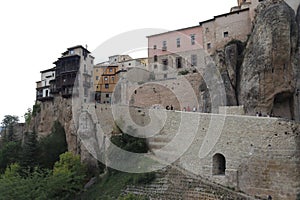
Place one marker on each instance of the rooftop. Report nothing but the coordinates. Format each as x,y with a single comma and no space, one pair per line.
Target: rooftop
223,15
182,29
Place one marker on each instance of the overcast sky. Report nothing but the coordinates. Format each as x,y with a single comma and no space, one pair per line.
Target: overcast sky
35,33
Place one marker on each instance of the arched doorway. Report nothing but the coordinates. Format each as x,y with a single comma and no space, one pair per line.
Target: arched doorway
219,164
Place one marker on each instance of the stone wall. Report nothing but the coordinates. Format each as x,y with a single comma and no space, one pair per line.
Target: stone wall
261,154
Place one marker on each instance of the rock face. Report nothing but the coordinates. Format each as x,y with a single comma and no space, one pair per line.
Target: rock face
269,70
60,109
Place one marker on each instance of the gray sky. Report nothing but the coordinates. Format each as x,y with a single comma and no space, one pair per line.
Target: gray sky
35,33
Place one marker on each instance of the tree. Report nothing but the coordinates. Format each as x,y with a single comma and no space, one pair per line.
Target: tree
8,124
29,155
28,116
52,146
9,154
68,176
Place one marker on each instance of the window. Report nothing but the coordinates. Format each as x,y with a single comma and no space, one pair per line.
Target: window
193,60
206,30
208,45
165,76
97,78
219,164
165,64
85,92
179,62
155,58
110,69
225,34
178,42
106,86
129,64
113,79
72,52
84,68
193,39
164,46
154,47
105,78
155,66
107,95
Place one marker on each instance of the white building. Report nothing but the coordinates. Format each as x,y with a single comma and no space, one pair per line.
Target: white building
43,86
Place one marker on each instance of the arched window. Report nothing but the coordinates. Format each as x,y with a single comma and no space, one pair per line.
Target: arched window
219,164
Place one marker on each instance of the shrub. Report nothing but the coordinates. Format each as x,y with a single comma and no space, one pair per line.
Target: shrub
184,72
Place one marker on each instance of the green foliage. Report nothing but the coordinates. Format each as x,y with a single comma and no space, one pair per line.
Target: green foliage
111,186
52,146
9,120
8,124
28,116
133,197
29,155
9,154
69,170
69,163
183,72
130,143
65,183
36,109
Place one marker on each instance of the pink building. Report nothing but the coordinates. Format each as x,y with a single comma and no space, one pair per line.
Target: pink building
173,50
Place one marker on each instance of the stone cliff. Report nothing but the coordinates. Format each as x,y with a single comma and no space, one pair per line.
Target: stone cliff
262,73
269,69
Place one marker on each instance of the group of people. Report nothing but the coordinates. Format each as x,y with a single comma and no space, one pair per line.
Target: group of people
188,109
259,114
169,107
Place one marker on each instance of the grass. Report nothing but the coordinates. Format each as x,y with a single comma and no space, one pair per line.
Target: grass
111,186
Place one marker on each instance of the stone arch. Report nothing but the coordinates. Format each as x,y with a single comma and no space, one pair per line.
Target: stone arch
219,164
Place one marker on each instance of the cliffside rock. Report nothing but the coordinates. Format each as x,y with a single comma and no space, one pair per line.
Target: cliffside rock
60,109
267,81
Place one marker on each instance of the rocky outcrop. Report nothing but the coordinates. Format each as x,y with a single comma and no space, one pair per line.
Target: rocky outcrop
268,73
60,109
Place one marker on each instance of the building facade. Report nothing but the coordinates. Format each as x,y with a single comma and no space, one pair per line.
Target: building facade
43,92
170,51
105,78
220,30
132,63
74,68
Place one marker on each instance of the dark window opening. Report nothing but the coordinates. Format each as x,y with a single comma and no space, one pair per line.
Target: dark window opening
226,34
179,62
219,164
208,45
155,58
165,64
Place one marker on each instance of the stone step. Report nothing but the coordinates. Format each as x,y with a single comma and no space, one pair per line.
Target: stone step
161,138
157,145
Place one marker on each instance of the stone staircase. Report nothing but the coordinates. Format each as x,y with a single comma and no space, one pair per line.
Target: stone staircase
173,183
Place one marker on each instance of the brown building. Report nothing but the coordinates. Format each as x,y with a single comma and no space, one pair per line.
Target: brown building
105,80
68,73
